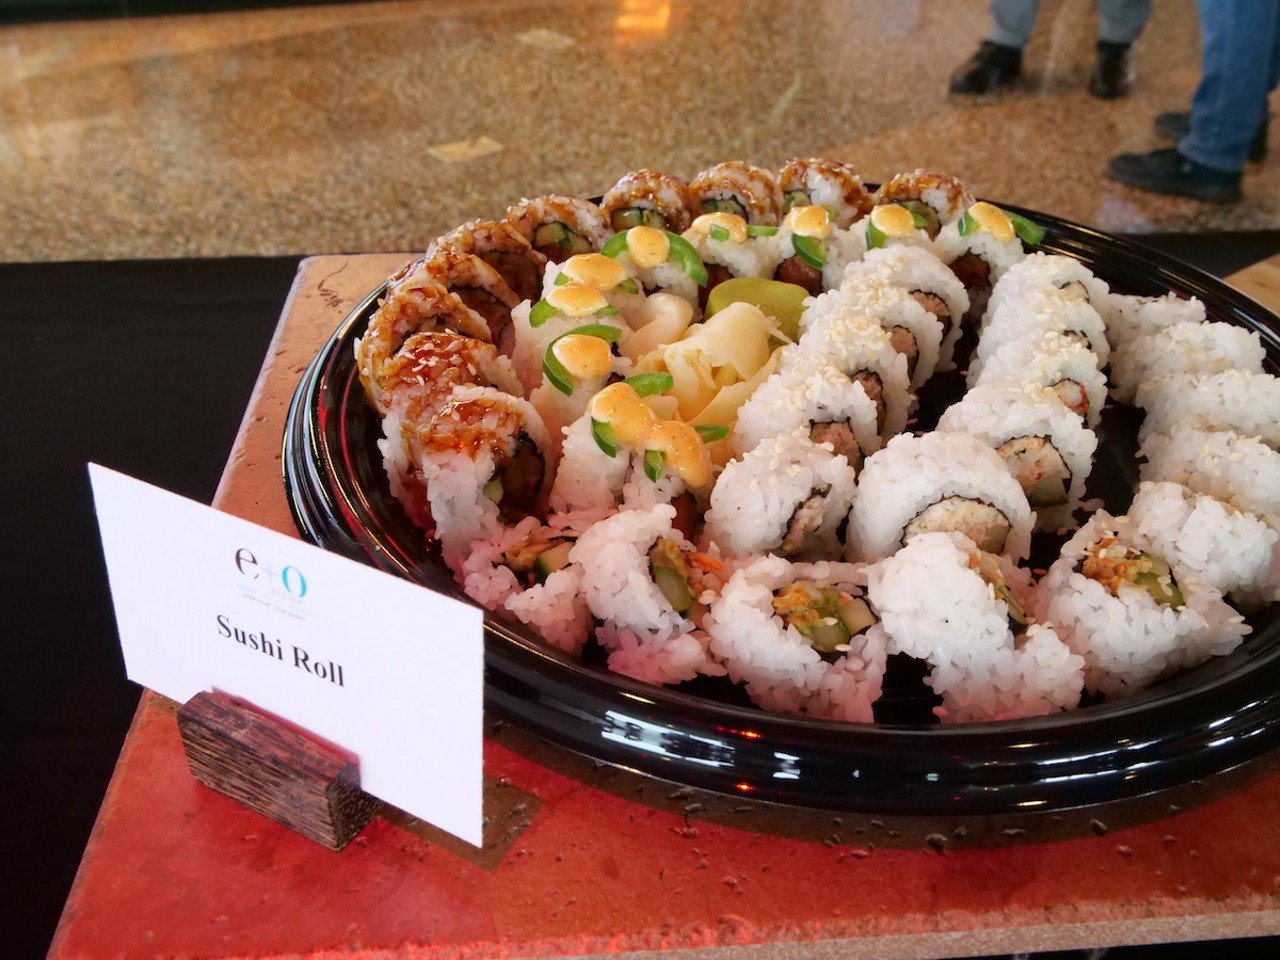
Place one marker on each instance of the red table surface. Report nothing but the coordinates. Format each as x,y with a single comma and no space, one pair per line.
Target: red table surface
582,859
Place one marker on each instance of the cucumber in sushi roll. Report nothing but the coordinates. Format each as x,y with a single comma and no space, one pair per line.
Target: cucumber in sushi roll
647,198
559,226
827,183
738,188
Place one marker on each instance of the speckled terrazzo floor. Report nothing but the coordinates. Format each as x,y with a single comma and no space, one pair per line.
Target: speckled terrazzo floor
313,129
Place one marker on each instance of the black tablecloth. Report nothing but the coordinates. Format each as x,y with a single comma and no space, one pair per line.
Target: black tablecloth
146,367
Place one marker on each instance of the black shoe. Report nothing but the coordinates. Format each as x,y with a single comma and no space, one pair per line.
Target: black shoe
992,67
1168,171
1114,74
1174,126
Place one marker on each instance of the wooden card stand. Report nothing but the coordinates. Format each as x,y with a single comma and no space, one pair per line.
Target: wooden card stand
272,768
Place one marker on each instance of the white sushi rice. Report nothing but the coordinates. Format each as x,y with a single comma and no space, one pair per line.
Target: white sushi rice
1048,272
1001,412
959,625
1239,470
1050,360
1128,317
756,497
588,478
1130,641
1035,313
949,246
781,670
1236,400
1236,553
911,473
1184,348
754,257
645,637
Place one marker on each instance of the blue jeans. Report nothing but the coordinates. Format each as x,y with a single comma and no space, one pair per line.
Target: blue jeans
1120,21
1240,67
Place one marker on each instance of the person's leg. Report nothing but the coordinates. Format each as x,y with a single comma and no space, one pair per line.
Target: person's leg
1239,70
1119,24
1012,22
998,61
1121,21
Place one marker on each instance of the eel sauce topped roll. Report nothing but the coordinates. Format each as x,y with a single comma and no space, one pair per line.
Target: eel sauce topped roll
926,279
827,183
1184,348
1055,360
415,304
1233,551
525,571
938,482
559,226
1131,317
500,245
787,496
963,611
735,187
650,589
816,398
1236,400
1036,313
1133,616
936,197
650,199
796,634
979,248
480,287
1046,447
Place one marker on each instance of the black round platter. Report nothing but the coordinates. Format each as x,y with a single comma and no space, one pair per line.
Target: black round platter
1201,722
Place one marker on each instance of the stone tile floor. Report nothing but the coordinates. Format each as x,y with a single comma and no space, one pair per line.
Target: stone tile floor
375,126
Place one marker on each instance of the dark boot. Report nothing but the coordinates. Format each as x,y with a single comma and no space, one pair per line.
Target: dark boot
992,67
1114,74
1168,171
1176,125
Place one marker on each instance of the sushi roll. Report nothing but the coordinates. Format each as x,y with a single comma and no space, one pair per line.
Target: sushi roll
647,198
1129,317
796,635
486,462
963,611
1184,348
950,482
935,197
1239,470
1038,272
560,226
1046,447
788,496
827,183
979,248
864,352
730,247
649,588
817,398
414,305
926,279
891,225
1033,314
1134,617
659,260
525,571
1234,552
1236,400
1054,360
812,253
500,245
735,187
479,286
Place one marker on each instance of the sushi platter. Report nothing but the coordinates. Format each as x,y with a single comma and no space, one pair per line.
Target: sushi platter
952,521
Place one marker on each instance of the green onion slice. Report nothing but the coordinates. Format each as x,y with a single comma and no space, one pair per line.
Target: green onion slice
967,224
615,245
711,432
606,311
719,233
654,461
917,219
604,437
601,330
628,286
682,253
562,278
875,236
647,384
555,371
809,249
761,231
1028,231
542,312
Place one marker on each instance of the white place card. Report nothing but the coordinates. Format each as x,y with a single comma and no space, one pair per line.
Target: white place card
386,670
